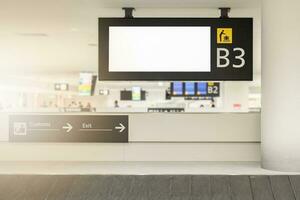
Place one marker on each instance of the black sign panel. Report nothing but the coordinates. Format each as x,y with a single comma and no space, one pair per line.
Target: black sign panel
231,49
68,128
199,89
213,89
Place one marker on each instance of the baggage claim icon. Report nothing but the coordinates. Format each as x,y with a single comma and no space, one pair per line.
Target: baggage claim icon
224,35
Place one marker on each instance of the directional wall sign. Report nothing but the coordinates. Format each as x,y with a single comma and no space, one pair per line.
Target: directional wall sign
68,128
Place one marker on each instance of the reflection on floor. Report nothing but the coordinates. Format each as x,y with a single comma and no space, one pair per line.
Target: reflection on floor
148,187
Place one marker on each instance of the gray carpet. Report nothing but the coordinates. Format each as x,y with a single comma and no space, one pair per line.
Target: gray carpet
149,187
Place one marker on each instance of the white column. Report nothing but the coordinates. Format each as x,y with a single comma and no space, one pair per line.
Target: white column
281,85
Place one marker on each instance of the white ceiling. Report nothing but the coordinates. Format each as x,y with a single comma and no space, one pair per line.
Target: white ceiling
65,31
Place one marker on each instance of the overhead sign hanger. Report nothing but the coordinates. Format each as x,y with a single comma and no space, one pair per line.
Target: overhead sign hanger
224,12
128,12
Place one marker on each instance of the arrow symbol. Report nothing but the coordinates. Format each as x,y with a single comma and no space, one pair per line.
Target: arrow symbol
121,128
68,127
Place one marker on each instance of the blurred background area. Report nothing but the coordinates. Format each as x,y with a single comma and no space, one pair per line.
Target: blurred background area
49,58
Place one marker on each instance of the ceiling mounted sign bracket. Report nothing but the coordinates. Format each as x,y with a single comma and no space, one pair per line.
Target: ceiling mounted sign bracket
224,12
128,12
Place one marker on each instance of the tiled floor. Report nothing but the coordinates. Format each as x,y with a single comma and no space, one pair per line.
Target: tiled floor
145,181
148,187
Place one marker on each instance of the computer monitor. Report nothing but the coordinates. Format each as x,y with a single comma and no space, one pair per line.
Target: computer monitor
125,95
177,88
189,88
202,88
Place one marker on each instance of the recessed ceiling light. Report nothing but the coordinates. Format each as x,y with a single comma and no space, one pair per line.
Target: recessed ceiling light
33,34
74,29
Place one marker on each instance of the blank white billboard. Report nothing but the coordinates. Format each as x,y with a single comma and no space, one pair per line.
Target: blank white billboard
159,49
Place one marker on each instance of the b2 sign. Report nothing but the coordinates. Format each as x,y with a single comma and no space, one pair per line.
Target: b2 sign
175,49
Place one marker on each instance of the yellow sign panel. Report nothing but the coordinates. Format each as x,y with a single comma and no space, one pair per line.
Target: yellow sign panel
224,35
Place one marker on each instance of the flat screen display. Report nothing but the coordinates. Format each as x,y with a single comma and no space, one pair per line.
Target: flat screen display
159,49
189,88
126,95
202,88
177,88
85,84
136,93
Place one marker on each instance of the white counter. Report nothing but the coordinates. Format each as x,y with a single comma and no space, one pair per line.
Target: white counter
154,137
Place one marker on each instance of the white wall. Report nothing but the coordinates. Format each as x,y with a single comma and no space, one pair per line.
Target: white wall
231,93
280,81
43,84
